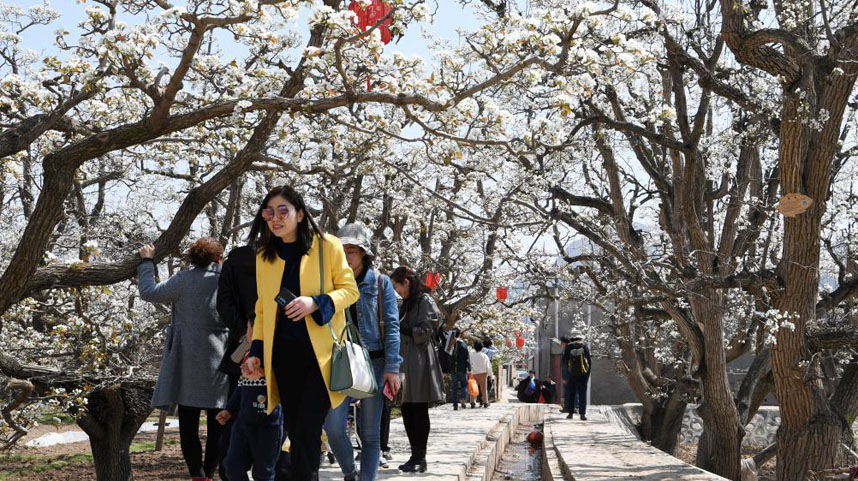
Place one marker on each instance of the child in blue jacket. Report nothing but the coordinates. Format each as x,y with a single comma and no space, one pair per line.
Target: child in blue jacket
256,436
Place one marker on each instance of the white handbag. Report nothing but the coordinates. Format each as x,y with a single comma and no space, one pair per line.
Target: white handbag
351,368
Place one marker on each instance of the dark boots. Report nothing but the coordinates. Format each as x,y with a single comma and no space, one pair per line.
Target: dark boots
417,463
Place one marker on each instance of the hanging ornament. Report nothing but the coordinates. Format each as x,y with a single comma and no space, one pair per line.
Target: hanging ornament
501,294
368,15
519,342
433,279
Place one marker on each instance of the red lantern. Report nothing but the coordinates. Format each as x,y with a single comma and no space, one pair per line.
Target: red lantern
519,342
501,294
368,16
508,342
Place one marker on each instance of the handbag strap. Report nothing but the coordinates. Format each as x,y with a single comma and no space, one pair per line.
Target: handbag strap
380,310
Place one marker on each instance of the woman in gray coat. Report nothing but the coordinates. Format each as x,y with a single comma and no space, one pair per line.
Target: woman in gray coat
193,350
419,320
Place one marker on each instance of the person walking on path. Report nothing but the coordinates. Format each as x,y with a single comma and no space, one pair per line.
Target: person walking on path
193,350
256,435
460,373
576,357
481,367
292,343
489,349
236,300
424,383
376,314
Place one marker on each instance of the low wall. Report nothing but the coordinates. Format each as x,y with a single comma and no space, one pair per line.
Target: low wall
761,431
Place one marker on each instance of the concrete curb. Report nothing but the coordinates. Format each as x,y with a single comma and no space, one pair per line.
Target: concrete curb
553,467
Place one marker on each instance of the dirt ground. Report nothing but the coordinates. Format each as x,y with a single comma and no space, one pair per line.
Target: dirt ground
766,472
71,462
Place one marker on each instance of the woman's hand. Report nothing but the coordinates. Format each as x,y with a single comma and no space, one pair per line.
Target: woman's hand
147,251
392,379
252,368
300,307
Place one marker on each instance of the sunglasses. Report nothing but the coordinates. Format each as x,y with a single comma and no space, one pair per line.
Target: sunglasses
281,211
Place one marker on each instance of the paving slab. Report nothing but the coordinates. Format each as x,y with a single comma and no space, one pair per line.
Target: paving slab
454,439
598,449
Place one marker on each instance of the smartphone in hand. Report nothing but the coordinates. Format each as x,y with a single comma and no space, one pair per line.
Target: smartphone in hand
388,393
284,297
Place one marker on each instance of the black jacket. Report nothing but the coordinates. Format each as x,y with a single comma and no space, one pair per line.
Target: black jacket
463,359
522,390
236,298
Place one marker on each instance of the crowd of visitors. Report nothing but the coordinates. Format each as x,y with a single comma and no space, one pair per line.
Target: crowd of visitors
255,337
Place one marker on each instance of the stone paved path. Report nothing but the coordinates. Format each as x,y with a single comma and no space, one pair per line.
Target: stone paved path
593,450
596,450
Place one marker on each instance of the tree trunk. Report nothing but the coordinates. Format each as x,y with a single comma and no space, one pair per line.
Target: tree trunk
666,421
811,431
719,450
112,458
114,414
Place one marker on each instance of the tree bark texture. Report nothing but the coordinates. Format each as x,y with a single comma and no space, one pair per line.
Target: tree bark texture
114,415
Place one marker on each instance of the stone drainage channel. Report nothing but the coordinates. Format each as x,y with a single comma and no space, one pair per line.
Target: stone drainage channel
518,448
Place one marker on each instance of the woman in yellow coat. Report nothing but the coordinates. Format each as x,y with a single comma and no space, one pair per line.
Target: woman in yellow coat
292,340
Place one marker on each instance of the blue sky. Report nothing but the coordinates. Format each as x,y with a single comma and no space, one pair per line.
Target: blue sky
449,16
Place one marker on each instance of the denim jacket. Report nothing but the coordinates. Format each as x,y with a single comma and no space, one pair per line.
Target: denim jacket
367,311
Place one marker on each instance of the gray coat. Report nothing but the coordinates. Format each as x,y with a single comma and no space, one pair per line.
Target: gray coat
423,379
196,339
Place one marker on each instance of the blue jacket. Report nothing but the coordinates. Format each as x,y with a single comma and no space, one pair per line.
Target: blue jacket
250,404
367,321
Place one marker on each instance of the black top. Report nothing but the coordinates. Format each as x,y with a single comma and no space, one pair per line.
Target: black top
236,298
287,329
353,308
463,358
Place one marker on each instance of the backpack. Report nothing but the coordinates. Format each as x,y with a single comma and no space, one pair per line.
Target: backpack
577,364
446,361
446,347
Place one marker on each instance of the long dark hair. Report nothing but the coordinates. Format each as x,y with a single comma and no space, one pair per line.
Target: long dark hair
416,286
307,228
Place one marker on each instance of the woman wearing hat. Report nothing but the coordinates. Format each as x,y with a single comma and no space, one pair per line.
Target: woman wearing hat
376,315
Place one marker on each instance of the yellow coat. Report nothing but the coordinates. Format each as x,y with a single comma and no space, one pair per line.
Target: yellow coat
339,285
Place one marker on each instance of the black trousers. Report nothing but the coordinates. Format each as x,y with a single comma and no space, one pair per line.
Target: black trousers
415,417
189,438
256,446
385,426
226,434
578,388
305,402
